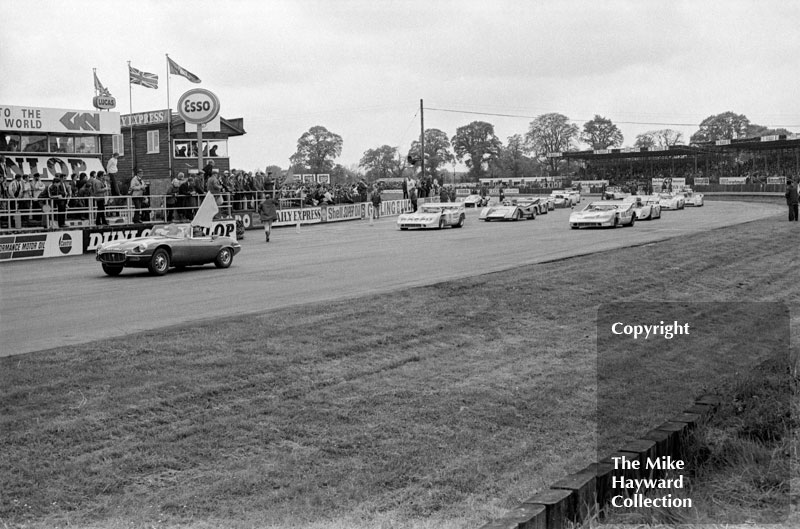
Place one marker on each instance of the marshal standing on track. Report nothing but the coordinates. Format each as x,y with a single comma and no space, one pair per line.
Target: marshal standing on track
791,199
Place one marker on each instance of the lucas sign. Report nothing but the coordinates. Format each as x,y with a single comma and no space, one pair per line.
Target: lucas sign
198,106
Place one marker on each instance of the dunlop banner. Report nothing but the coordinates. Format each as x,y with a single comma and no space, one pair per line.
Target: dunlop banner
93,238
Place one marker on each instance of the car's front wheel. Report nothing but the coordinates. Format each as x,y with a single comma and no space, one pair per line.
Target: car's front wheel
112,270
224,258
460,221
442,223
159,263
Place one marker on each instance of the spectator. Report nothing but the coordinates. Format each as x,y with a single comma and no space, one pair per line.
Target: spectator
207,170
98,190
188,194
57,192
137,189
14,192
25,195
172,197
37,188
111,169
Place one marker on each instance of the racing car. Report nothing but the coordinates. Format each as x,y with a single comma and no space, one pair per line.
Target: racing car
691,198
608,213
166,246
511,209
644,207
475,201
562,199
435,215
671,201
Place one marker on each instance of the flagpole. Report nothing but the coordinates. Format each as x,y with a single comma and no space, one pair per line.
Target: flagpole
130,103
169,122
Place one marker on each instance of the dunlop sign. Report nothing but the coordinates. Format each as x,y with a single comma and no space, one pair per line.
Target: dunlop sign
198,106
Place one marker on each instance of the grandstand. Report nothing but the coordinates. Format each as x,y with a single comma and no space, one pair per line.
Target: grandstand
760,160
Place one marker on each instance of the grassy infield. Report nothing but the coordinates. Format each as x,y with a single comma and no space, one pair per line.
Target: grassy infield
369,413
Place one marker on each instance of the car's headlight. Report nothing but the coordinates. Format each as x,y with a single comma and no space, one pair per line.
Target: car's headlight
139,248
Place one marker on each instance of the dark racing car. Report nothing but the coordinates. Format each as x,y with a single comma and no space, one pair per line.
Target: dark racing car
168,245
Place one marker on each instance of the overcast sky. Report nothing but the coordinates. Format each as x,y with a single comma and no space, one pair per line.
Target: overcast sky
360,68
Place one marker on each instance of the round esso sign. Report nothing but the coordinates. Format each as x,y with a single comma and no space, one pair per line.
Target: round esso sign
198,106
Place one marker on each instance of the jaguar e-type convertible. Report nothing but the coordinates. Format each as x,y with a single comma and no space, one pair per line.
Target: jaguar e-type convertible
168,245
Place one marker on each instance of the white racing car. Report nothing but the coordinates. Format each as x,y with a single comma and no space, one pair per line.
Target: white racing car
511,209
475,201
671,201
604,214
562,199
435,215
691,198
643,207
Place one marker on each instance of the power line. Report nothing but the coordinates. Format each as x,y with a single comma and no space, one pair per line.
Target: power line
584,120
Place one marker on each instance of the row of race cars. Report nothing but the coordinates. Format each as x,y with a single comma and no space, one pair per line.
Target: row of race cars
181,245
621,210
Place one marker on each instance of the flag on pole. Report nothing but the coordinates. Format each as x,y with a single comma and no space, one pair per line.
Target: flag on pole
102,90
148,80
176,69
206,211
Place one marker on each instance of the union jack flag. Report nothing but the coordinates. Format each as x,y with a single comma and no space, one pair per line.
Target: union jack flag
148,80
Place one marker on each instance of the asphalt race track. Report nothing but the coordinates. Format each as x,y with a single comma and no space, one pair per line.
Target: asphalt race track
54,302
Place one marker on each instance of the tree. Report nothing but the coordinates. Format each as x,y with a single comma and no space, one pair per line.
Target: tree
601,133
725,126
479,144
659,138
382,162
756,131
437,151
513,162
316,150
344,175
550,133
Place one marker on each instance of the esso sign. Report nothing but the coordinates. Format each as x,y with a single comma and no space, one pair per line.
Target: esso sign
198,106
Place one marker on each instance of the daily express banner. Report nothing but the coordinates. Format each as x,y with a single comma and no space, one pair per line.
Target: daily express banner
58,120
316,215
732,180
49,166
38,245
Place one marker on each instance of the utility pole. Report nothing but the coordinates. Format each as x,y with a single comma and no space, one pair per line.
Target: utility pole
422,138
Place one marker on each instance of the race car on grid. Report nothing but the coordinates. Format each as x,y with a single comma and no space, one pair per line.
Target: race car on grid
643,207
168,245
671,201
691,198
604,214
435,215
511,209
475,201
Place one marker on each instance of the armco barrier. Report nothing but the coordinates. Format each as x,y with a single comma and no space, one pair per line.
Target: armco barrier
586,494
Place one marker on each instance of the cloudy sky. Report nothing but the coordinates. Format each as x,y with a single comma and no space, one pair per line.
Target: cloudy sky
361,67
